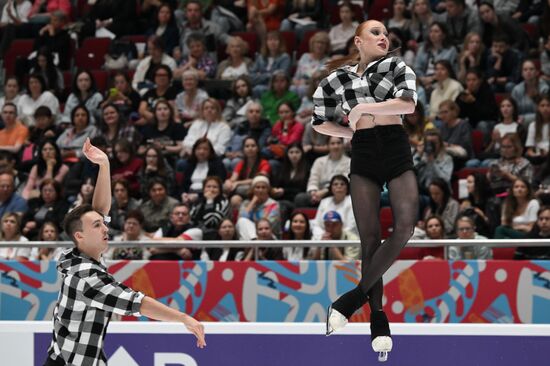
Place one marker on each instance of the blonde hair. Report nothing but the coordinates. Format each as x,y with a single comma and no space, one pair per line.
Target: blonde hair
216,105
238,41
18,221
320,37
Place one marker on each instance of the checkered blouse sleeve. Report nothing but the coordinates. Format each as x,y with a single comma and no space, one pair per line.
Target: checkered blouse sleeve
405,82
326,98
103,292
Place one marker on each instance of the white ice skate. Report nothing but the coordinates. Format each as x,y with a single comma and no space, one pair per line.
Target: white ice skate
380,335
335,321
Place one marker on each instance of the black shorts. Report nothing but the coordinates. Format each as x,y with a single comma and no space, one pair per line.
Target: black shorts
381,153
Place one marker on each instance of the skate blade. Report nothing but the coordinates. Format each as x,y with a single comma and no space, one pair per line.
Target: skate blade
383,345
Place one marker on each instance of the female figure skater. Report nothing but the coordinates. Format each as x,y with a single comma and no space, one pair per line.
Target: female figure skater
374,90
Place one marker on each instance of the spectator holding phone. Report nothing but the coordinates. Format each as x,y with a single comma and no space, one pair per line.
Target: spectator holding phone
432,160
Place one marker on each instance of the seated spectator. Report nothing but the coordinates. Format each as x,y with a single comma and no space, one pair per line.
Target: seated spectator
48,232
238,185
117,17
193,21
286,131
11,92
508,123
298,230
211,125
545,61
399,19
493,23
146,71
161,90
50,205
510,166
37,95
44,66
114,127
264,16
322,171
8,164
445,87
421,15
236,64
202,163
442,204
259,206
310,62
9,200
314,144
538,135
272,57
133,231
416,124
334,230
165,27
340,34
519,211
481,204
84,92
431,160
42,11
164,133
14,134
278,92
472,57
122,95
529,91
541,230
235,108
53,36
254,126
178,228
49,165
292,178
189,101
455,132
437,47
226,232
72,139
477,103
399,47
209,210
44,127
433,228
304,113
197,60
126,165
122,204
338,200
503,65
527,11
14,14
460,19
158,205
264,232
466,230
85,193
10,230
302,16
156,165
82,169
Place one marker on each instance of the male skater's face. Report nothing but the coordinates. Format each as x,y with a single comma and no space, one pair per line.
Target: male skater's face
94,233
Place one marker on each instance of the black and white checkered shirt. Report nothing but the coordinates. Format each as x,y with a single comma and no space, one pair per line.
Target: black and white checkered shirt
88,297
383,79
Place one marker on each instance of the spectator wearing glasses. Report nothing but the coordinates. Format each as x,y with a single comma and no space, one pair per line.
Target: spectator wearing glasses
145,76
466,230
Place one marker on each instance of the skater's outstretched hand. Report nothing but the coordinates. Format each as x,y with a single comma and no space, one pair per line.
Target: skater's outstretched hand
94,154
196,328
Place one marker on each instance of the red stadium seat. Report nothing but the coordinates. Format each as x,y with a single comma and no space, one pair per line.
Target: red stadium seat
380,10
477,141
504,253
309,212
499,97
91,56
249,37
101,78
135,38
18,48
290,41
304,44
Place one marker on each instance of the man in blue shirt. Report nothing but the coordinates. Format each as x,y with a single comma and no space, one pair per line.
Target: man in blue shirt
9,200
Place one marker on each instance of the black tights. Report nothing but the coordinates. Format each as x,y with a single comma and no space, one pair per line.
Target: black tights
376,258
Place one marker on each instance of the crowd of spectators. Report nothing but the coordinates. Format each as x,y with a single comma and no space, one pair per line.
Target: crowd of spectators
207,125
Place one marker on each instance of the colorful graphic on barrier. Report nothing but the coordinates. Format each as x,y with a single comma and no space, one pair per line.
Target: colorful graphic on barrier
415,291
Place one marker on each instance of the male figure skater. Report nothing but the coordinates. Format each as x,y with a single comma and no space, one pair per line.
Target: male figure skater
89,294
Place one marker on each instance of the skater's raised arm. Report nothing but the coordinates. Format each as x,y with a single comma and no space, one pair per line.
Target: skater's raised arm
101,201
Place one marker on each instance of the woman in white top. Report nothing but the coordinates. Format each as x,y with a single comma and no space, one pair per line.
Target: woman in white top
11,92
338,200
210,125
10,230
445,88
538,140
36,96
519,212
314,60
341,33
236,63
188,102
84,91
398,20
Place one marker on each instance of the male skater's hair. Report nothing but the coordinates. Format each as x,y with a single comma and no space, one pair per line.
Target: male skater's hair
73,220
